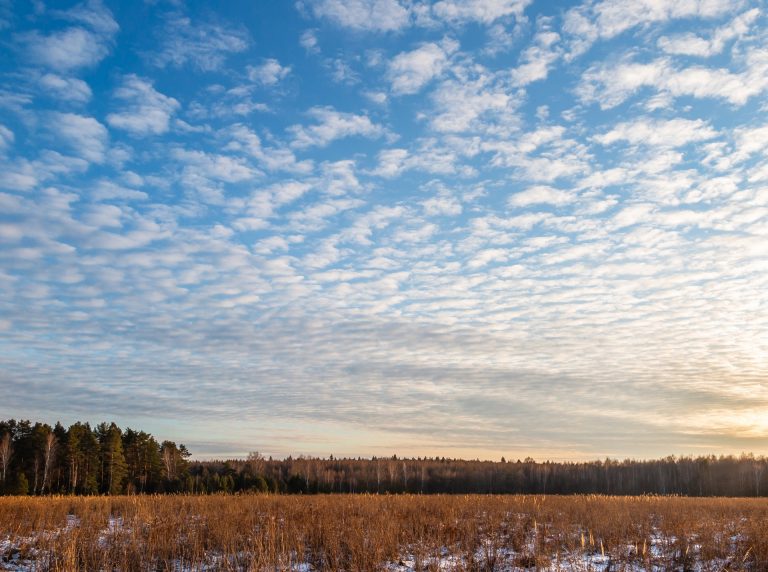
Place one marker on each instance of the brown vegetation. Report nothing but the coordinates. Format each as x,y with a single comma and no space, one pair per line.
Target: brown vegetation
369,532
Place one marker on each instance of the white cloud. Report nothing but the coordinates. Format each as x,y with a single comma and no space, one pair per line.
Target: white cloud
341,72
288,191
204,45
442,204
663,133
539,57
379,217
213,166
750,140
339,178
391,162
602,179
408,72
309,42
463,105
688,45
616,16
543,155
610,85
6,138
420,233
66,50
264,203
377,97
74,47
66,88
318,216
268,73
270,158
485,257
500,38
83,135
146,111
92,13
331,125
609,18
428,156
106,190
374,15
631,215
395,15
484,11
541,194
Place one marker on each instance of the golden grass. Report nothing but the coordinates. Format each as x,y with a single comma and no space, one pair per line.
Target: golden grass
364,532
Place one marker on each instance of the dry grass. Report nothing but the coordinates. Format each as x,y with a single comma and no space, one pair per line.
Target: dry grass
382,532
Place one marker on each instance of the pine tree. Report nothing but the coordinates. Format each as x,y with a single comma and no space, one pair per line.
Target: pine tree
114,467
142,455
82,459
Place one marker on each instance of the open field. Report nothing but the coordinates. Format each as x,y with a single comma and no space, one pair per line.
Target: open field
394,533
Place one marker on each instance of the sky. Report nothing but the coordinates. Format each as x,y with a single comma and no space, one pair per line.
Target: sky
363,227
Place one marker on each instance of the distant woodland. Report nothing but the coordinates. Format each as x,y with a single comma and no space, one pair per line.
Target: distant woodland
38,459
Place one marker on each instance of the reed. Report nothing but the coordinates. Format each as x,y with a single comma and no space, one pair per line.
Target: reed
371,532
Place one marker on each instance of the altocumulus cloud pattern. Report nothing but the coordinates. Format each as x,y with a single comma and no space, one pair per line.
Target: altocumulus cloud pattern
473,228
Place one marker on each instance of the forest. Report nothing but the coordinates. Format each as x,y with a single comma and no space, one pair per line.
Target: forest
38,459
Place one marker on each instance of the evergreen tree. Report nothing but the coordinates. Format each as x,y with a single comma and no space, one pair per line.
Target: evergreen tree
44,448
21,486
114,469
175,464
58,476
144,465
23,460
82,459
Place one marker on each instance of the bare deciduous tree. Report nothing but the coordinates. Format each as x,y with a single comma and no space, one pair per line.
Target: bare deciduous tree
6,450
49,449
170,462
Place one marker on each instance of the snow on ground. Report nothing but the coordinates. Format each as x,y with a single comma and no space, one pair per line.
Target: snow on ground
22,554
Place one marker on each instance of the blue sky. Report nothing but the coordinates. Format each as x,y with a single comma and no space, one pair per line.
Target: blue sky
365,227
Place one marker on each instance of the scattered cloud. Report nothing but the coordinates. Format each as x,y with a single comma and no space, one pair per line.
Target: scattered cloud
538,59
659,133
541,194
268,73
308,41
205,46
690,44
484,11
395,15
609,18
458,208
66,88
612,84
408,72
463,105
73,47
372,15
83,135
331,125
6,138
145,110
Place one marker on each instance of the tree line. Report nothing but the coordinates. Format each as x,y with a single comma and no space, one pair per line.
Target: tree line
743,475
40,459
